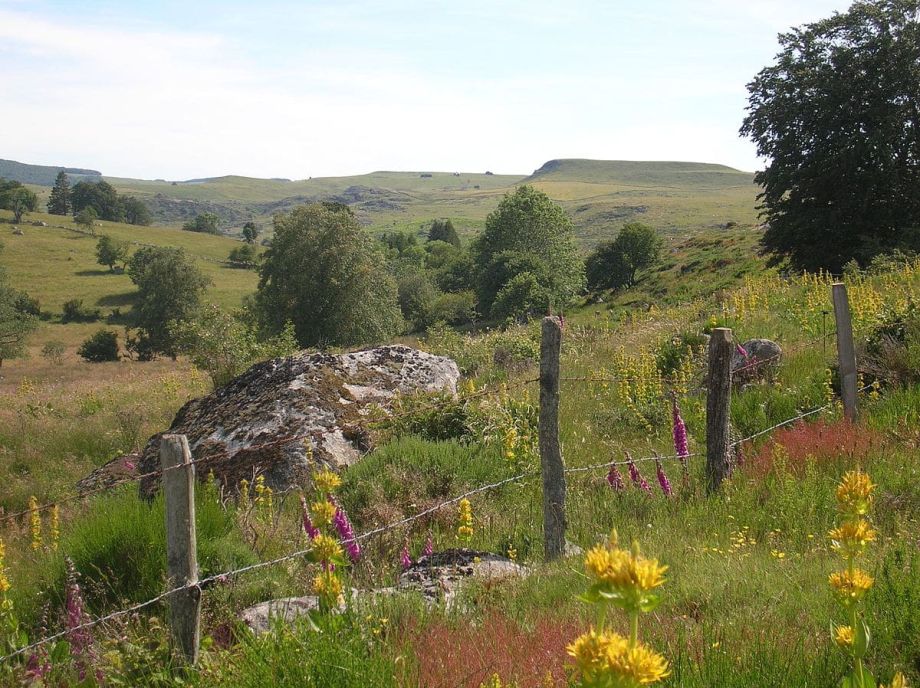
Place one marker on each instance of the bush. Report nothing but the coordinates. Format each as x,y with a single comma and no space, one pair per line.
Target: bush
673,352
245,256
521,297
101,347
75,311
54,352
454,309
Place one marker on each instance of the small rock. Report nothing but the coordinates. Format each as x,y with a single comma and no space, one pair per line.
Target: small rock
763,357
259,617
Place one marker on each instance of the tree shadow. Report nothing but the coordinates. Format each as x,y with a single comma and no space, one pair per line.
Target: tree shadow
117,300
94,273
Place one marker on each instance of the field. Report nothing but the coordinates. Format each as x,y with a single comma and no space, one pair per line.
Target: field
746,602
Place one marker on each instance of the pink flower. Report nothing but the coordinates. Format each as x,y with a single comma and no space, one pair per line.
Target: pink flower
308,527
429,546
80,639
680,434
636,476
741,350
405,559
663,480
615,479
346,532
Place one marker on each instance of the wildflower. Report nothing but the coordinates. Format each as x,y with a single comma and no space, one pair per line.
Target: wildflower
639,666
465,529
663,479
79,636
615,479
343,527
512,553
850,585
590,652
429,546
260,491
843,636
608,654
35,523
741,351
4,580
851,537
55,526
681,447
323,513
328,588
308,527
244,494
854,493
898,681
326,549
326,481
405,559
636,476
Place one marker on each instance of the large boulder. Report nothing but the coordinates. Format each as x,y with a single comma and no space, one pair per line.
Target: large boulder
284,416
763,357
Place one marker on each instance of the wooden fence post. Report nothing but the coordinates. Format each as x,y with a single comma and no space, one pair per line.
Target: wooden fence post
846,352
550,452
718,407
181,545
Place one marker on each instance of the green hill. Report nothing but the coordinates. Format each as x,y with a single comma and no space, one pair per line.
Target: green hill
41,175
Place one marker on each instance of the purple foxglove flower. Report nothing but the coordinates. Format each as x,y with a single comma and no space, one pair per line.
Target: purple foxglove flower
346,532
429,546
636,476
615,479
663,480
405,560
80,639
308,527
680,434
741,351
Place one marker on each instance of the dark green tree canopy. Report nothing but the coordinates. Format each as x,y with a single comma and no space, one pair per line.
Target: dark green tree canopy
443,230
528,227
59,200
838,118
101,197
250,232
136,211
16,320
169,287
616,264
209,223
327,276
112,252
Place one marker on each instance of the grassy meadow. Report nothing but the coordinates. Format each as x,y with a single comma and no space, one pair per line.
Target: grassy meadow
746,602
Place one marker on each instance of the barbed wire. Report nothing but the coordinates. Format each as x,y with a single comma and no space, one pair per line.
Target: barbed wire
221,577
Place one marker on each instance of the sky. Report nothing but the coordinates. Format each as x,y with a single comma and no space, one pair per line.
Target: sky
296,89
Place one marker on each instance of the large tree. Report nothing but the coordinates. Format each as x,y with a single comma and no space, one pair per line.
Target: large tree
59,200
838,118
22,201
101,197
135,211
528,233
616,264
169,286
325,274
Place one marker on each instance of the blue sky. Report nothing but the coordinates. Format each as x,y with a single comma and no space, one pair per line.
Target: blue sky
295,89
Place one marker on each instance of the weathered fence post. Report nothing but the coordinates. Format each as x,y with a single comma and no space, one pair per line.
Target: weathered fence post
181,545
846,352
550,452
718,407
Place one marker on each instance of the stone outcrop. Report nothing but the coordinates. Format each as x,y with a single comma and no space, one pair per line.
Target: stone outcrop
437,578
286,416
763,357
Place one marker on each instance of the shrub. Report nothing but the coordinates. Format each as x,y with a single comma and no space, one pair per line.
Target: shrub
454,309
101,347
245,256
75,311
54,352
673,352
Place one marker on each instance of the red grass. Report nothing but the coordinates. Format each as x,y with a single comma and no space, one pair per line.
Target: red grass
818,442
467,654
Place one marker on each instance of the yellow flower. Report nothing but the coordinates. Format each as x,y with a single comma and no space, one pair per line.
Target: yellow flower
850,587
326,548
4,581
35,523
323,512
897,682
55,526
851,537
638,665
591,651
327,585
843,636
854,493
326,481
623,570
465,529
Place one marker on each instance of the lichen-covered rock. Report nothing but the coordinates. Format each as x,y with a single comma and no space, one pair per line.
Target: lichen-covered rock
763,356
281,413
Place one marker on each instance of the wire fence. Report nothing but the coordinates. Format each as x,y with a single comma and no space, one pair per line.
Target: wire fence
388,527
